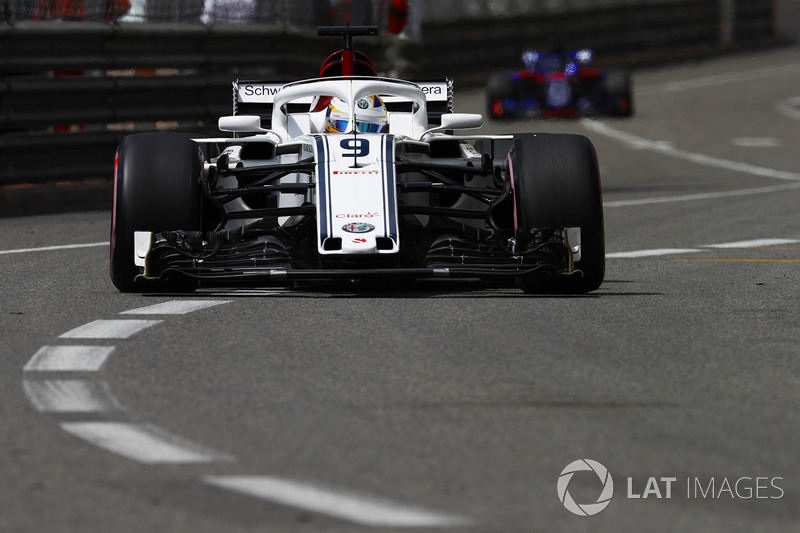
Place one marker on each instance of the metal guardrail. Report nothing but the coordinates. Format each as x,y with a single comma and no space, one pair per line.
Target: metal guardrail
297,14
55,125
453,10
70,91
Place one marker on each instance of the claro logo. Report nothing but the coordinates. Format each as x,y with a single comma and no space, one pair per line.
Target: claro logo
585,509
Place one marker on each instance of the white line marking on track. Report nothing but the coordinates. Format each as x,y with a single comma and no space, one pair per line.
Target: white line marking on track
756,142
52,248
718,79
755,243
666,148
109,329
70,396
650,253
69,359
701,196
362,509
175,307
144,443
790,108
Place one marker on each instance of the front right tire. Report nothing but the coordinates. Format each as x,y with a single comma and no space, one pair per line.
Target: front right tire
556,184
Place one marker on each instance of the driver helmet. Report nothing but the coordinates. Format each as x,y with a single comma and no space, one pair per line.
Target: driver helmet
530,58
370,112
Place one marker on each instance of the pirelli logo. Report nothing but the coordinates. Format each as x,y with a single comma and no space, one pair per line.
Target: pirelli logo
356,172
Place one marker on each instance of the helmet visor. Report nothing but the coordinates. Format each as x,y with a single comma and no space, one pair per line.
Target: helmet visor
369,127
338,125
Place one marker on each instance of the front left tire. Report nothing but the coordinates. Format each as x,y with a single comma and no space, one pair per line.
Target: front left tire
158,181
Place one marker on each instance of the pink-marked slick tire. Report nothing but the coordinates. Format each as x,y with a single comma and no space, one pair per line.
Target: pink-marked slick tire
157,186
557,184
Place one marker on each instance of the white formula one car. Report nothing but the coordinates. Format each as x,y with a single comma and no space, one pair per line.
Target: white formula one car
354,177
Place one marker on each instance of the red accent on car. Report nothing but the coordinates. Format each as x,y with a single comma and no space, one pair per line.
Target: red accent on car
590,72
561,113
347,63
497,107
322,103
513,190
398,15
528,75
114,207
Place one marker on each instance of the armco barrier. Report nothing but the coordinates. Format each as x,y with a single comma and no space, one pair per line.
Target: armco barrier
71,90
753,20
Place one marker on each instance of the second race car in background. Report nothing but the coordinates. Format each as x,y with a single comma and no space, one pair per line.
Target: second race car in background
559,84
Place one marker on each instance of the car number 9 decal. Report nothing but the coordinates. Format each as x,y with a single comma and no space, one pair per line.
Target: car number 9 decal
358,147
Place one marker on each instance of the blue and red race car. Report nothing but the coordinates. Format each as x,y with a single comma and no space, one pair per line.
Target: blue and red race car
559,84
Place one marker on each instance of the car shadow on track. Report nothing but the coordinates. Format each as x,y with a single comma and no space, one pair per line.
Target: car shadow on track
417,290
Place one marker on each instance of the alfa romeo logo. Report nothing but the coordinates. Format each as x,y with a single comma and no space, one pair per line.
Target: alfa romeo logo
585,509
358,227
362,104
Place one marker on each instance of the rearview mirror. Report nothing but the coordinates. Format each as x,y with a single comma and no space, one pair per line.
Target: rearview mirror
461,121
457,121
241,124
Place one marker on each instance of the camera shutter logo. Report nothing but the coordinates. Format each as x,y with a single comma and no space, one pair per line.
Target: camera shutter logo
585,509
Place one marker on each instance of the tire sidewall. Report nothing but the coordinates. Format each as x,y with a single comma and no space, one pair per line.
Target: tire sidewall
157,186
556,183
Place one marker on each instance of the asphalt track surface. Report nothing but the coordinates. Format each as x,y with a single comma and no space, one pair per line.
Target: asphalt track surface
453,407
